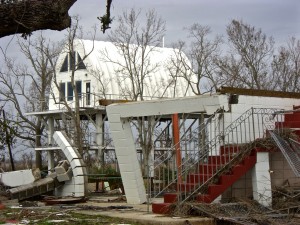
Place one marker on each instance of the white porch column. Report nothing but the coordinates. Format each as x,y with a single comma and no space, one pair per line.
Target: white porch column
100,137
50,154
261,180
127,158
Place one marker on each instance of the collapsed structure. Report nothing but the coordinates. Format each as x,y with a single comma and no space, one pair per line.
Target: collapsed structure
208,147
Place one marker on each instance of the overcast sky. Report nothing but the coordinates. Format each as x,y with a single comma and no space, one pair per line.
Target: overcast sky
279,18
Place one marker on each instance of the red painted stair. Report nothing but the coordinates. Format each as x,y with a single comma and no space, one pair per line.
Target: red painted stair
205,170
224,181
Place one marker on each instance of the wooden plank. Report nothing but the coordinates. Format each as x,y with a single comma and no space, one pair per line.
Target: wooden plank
255,92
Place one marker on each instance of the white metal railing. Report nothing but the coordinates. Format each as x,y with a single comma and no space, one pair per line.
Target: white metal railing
90,99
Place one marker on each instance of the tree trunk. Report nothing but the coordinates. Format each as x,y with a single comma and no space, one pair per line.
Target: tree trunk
30,15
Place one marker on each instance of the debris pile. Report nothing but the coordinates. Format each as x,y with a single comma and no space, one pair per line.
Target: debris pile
243,212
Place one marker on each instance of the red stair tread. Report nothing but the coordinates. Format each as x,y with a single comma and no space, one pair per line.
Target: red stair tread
208,168
161,208
217,159
229,149
186,187
198,178
170,197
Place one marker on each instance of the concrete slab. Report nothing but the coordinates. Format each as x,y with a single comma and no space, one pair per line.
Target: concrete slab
139,213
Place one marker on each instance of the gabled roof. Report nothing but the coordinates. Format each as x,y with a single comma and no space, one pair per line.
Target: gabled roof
107,58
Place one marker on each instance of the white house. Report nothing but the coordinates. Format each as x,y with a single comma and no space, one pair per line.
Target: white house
103,74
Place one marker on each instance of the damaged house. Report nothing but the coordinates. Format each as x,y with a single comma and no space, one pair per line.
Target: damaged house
236,143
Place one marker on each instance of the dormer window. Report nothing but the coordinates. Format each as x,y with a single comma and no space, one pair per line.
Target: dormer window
72,61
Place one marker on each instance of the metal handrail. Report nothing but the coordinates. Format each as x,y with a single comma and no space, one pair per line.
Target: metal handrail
245,129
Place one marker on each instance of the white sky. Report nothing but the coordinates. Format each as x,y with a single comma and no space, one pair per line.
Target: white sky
279,18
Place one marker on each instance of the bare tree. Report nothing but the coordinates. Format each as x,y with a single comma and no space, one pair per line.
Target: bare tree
248,63
286,67
26,89
200,74
8,132
72,41
136,42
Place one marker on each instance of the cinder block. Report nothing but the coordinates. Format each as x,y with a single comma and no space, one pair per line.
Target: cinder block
113,117
77,171
71,152
130,176
115,126
126,167
79,180
262,166
125,159
277,174
75,163
276,156
288,174
62,167
262,157
275,165
79,188
239,193
65,176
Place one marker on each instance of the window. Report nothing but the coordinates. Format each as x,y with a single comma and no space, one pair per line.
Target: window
78,88
88,93
70,92
80,65
72,61
62,91
64,67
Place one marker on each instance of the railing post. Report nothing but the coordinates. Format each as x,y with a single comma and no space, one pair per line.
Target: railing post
253,125
176,139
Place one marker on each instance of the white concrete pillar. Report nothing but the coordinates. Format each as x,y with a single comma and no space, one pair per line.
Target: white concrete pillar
100,137
50,154
261,180
127,158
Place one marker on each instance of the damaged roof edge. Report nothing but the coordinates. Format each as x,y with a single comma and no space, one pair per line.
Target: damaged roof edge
255,92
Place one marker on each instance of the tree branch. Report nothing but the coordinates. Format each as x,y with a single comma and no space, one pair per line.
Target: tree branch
30,15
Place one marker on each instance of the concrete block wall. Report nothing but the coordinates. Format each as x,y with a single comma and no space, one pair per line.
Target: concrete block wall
241,189
281,172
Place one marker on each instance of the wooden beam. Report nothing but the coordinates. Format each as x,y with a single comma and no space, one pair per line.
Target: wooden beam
255,92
